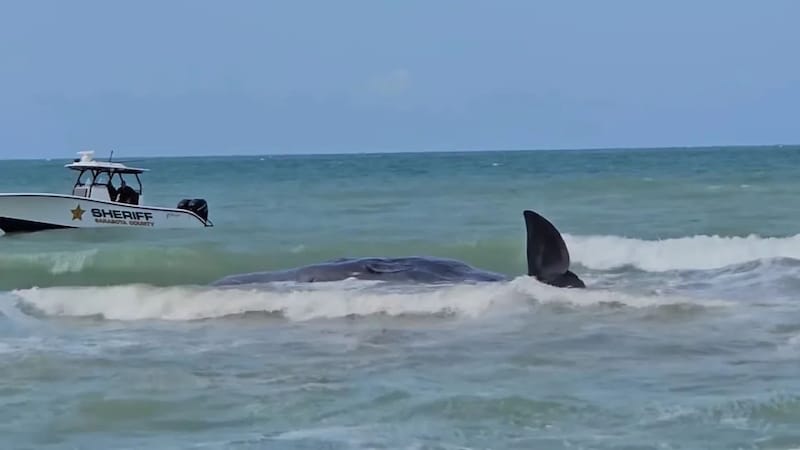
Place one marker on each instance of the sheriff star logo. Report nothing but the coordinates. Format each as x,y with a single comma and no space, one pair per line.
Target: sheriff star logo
77,213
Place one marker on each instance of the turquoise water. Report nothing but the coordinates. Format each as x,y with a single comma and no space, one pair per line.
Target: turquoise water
688,336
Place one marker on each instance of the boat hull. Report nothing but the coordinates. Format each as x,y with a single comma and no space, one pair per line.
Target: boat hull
37,212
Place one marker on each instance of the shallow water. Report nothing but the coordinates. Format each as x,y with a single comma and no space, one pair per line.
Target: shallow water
688,336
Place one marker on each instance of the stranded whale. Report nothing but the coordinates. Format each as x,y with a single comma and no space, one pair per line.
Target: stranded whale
547,255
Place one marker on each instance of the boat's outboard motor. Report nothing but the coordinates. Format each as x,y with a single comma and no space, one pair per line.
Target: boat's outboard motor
195,205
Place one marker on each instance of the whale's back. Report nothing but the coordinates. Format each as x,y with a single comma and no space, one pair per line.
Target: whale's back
417,269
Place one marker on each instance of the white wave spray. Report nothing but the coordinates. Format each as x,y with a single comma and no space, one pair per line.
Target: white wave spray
687,253
322,300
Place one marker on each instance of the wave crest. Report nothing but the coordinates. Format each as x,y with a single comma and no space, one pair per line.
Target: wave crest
686,253
316,301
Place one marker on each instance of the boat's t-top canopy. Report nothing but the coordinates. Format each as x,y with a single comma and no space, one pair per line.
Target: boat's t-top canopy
100,174
87,162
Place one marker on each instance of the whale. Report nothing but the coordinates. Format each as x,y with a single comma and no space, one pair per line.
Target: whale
548,261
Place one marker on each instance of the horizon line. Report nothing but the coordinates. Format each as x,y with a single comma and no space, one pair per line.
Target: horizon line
399,152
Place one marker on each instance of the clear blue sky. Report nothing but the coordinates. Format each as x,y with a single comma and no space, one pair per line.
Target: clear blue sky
148,77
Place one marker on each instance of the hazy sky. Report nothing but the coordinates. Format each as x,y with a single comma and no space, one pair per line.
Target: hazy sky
202,77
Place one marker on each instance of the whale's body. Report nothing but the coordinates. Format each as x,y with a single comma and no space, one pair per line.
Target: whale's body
547,256
415,269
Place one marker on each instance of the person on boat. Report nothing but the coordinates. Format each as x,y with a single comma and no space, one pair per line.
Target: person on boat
112,191
128,194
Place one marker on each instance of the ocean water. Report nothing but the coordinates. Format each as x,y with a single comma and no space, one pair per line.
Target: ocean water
687,337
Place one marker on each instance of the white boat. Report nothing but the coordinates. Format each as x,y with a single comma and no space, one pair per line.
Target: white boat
97,202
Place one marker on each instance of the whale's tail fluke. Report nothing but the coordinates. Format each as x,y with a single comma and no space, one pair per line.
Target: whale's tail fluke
548,257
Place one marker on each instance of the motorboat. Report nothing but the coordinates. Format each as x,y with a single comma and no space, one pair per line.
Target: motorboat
97,202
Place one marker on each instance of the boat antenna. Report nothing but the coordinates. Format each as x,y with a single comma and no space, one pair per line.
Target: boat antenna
111,156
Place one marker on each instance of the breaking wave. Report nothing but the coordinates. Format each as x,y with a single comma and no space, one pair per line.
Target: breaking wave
318,301
686,253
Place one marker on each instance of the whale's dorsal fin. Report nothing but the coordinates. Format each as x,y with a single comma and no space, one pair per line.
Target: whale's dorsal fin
548,256
547,253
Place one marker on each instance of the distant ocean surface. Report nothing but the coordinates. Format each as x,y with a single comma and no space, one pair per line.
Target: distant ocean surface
688,336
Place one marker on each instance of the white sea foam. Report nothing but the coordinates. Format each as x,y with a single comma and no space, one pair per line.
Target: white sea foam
687,253
317,301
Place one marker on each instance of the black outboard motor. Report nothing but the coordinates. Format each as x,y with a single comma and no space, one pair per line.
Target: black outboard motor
195,205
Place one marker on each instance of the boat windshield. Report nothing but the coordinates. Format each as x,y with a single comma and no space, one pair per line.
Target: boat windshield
102,178
84,178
